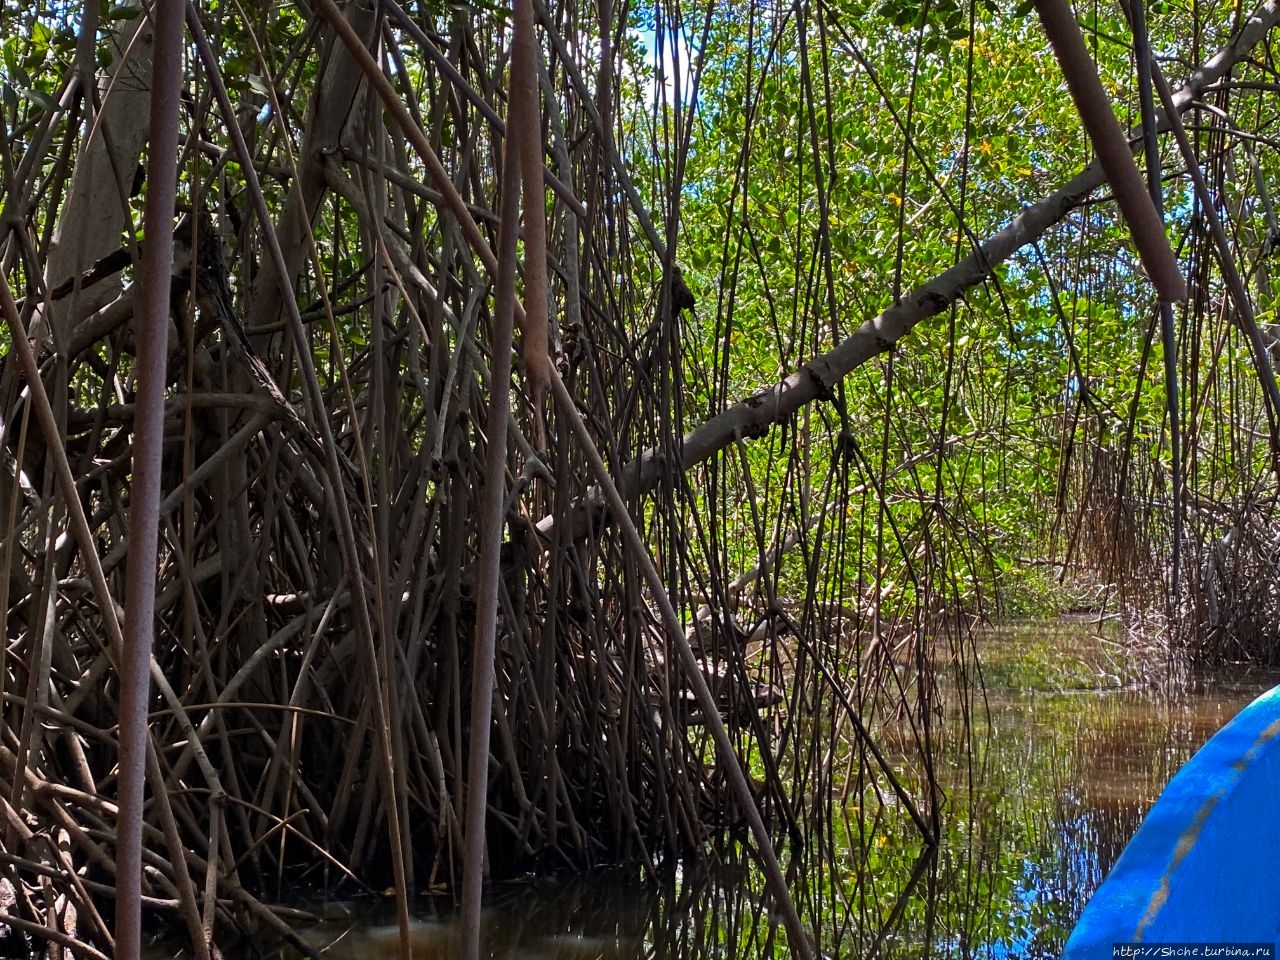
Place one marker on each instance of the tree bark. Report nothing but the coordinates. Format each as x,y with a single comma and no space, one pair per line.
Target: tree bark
94,215
328,116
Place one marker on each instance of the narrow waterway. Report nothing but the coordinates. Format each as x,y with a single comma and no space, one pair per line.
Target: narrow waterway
1065,753
1069,754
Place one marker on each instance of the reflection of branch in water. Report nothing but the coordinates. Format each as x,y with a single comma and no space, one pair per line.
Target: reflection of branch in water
713,910
927,860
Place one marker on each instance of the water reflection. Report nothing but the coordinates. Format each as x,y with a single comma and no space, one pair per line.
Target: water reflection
601,916
1060,782
1043,790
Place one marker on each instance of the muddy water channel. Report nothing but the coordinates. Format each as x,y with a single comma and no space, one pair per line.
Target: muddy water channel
1065,753
1070,749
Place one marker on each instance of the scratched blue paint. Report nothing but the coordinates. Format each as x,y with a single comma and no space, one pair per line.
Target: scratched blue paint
1205,864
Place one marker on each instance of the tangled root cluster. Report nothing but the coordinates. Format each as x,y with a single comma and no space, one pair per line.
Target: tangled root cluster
1232,598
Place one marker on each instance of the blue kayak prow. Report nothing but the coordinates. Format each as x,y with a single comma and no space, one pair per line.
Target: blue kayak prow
1204,867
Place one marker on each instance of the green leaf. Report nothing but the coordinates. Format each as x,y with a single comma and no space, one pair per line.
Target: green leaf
42,99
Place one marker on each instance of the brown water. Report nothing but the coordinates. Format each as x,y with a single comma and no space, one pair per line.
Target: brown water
1037,812
1062,779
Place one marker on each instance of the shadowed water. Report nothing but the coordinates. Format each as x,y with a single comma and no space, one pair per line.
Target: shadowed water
1062,758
